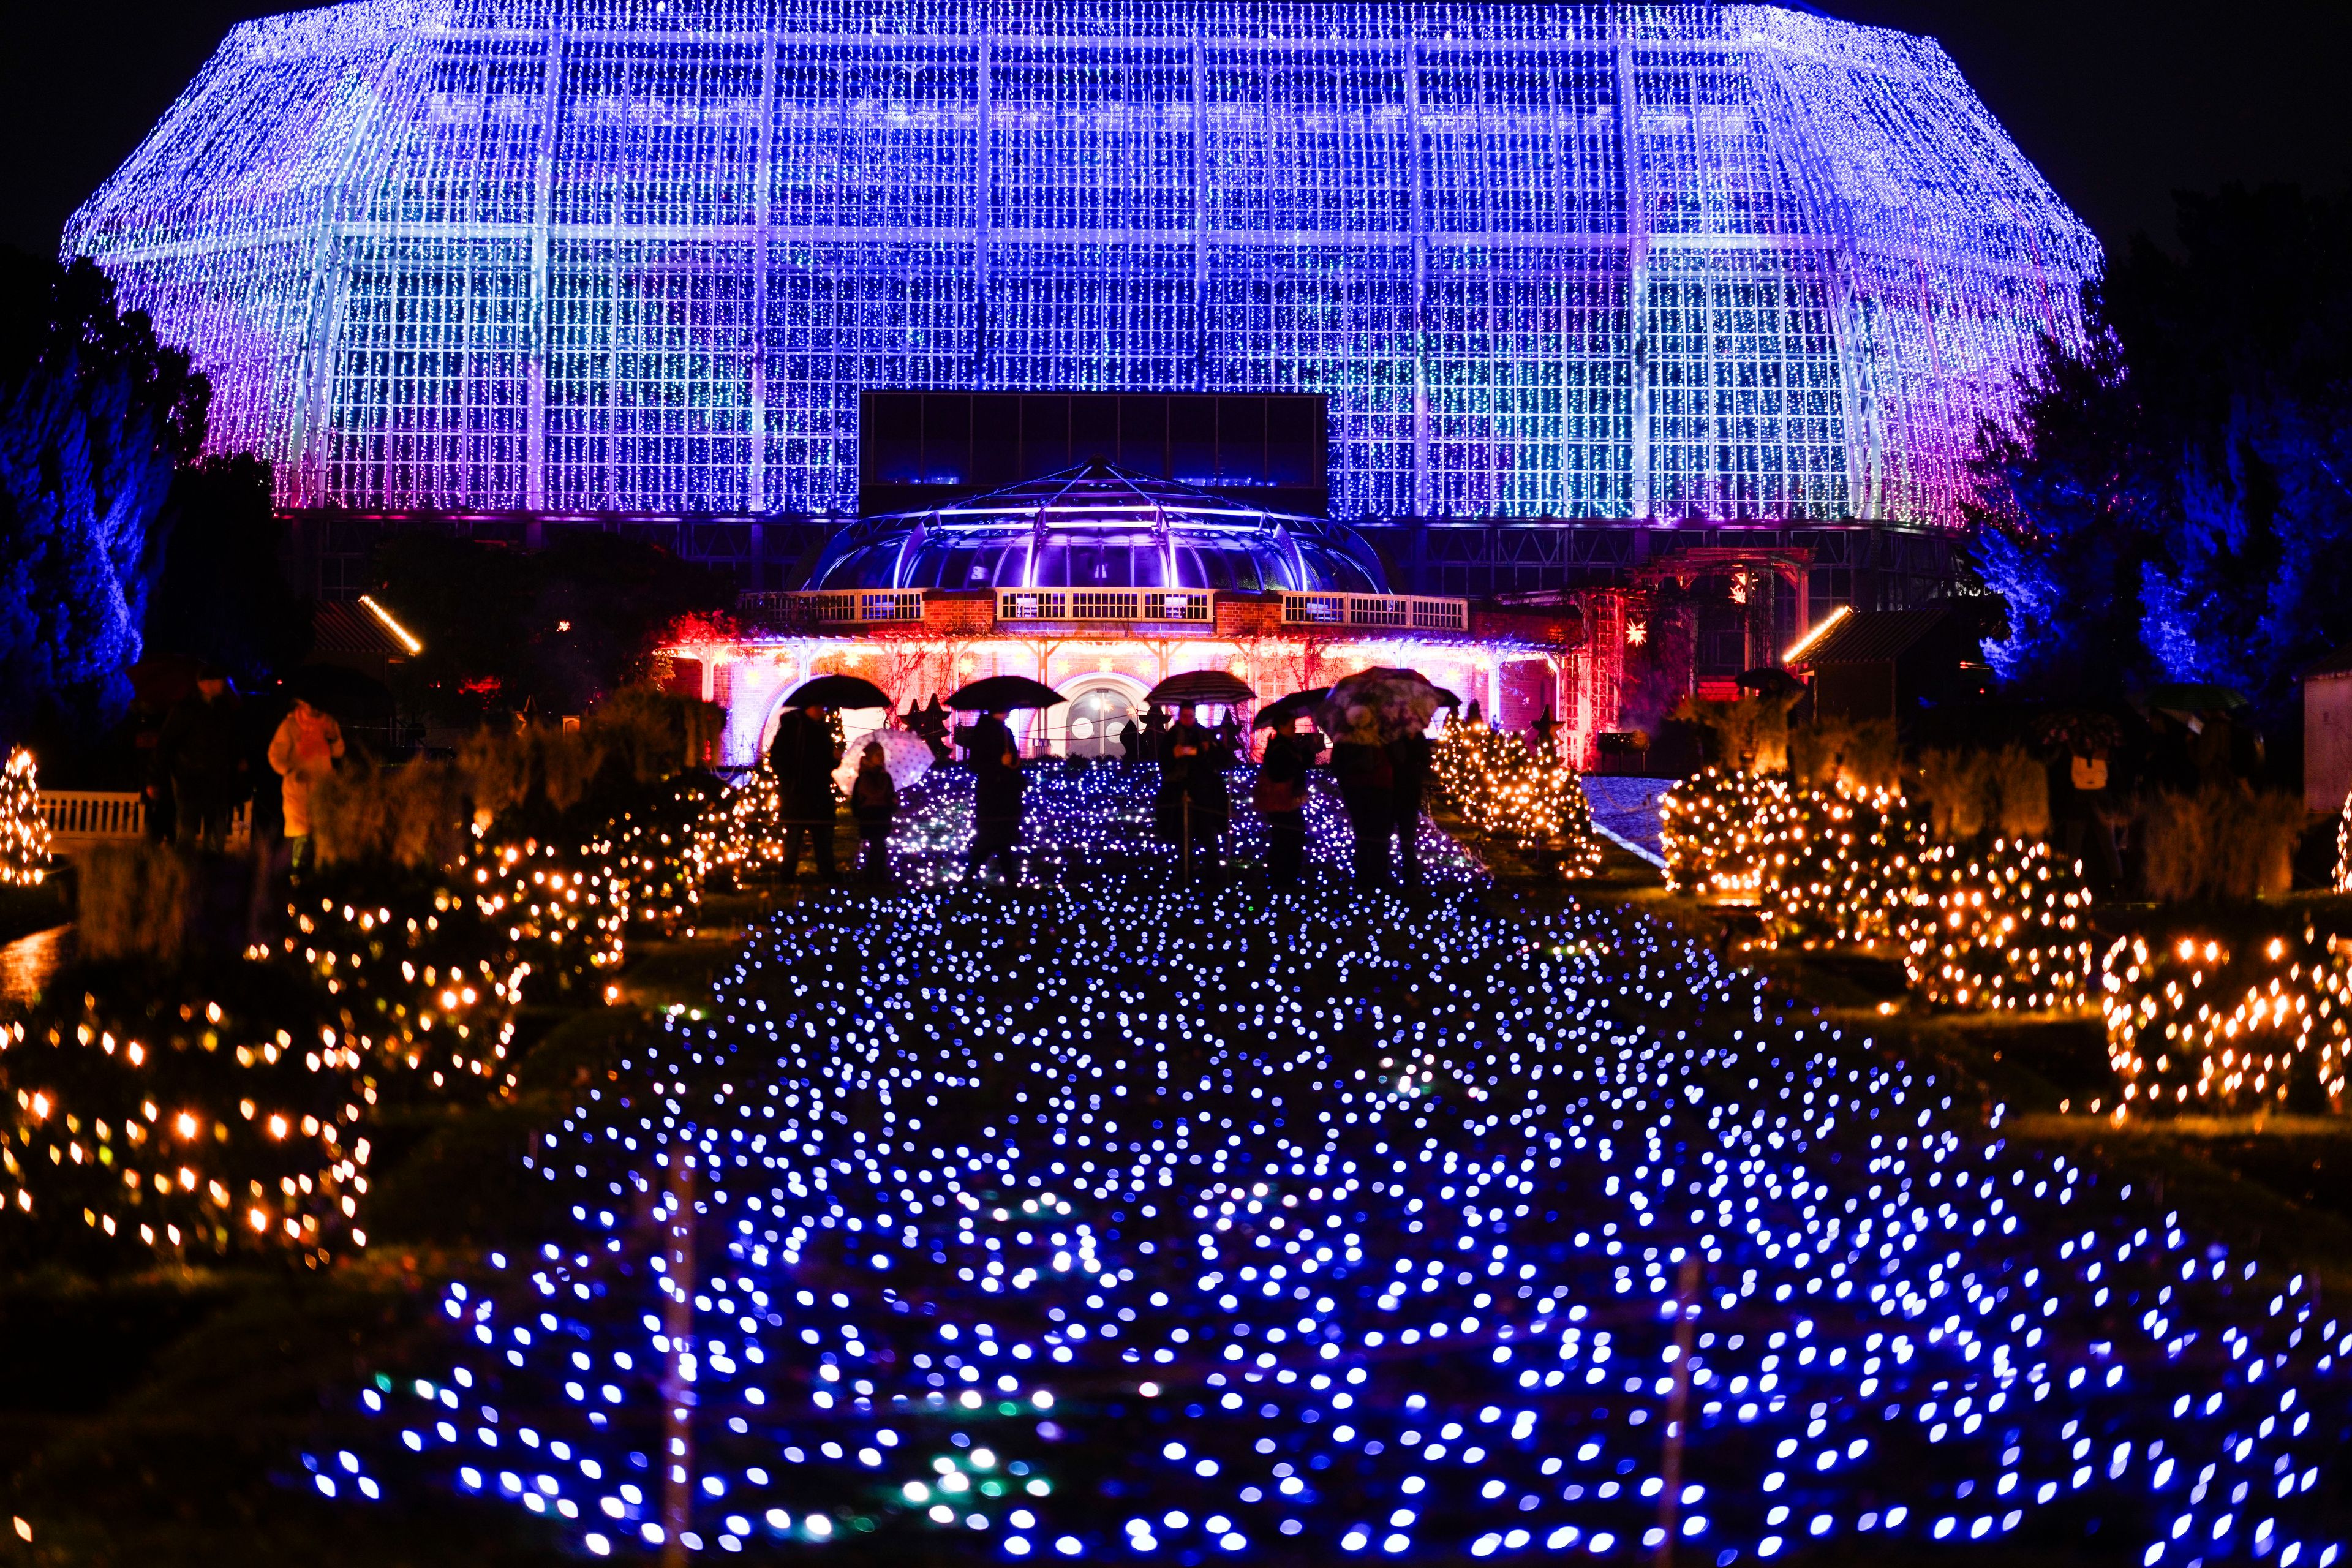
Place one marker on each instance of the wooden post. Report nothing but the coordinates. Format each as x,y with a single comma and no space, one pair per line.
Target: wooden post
1678,1403
677,1398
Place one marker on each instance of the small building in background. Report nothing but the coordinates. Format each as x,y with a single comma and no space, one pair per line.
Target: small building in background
361,637
2327,732
1887,664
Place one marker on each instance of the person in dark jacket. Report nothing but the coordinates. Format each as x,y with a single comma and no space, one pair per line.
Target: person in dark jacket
804,757
873,803
1409,760
1204,784
1281,794
202,753
1130,741
1174,747
988,737
1367,794
1192,806
996,815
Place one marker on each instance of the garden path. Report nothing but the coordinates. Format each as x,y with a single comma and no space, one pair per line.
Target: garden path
1105,1218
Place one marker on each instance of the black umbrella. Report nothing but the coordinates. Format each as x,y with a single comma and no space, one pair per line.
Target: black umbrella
1213,686
1278,714
1001,693
838,692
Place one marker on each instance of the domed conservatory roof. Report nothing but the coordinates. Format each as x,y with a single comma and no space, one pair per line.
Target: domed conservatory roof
1097,526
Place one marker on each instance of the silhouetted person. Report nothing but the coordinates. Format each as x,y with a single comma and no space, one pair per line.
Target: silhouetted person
1408,758
1281,798
201,750
1367,795
873,803
986,737
996,815
804,757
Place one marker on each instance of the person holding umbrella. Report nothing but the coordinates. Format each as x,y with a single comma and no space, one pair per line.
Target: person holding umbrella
1199,758
1280,796
804,757
1409,755
995,761
987,738
996,813
1364,713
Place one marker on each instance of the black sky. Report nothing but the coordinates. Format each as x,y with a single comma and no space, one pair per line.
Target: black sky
2119,103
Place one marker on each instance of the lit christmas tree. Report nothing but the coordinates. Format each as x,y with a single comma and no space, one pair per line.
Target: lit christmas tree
23,831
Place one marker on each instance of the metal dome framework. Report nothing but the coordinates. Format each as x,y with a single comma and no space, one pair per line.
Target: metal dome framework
1100,526
1671,261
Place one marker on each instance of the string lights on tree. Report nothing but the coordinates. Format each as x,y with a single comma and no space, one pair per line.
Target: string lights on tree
23,831
1714,261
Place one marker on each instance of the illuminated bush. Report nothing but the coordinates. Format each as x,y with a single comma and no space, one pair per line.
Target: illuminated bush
1837,863
202,1127
226,1114
1718,828
1503,791
1998,927
750,824
2196,1023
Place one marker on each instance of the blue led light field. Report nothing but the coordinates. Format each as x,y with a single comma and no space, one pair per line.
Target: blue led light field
1099,1219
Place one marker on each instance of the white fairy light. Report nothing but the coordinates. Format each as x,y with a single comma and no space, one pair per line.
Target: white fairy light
1718,262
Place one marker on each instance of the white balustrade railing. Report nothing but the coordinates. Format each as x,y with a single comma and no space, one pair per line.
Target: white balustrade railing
80,817
835,606
1193,605
1391,611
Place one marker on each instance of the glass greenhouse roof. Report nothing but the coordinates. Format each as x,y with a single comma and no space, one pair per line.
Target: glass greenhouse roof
1097,526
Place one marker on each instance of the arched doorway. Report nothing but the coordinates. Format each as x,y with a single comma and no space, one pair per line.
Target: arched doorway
1099,706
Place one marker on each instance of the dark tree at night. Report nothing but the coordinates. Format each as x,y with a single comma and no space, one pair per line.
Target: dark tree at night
2174,501
95,415
223,598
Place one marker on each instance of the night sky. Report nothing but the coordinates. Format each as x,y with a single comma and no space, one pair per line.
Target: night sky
2119,103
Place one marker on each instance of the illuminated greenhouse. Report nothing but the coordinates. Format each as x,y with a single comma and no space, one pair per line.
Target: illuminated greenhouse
1590,262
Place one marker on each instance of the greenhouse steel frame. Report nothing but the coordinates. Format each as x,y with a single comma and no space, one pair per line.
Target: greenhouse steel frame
1576,261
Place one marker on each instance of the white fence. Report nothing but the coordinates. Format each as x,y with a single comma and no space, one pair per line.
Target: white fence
1192,605
836,606
1398,611
78,818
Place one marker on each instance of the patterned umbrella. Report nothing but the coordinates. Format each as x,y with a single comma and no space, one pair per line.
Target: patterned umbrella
906,756
1373,706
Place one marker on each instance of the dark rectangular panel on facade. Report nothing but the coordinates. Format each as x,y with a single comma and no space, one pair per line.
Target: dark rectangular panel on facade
920,450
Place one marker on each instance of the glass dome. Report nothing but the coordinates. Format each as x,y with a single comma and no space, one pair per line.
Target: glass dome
1096,526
